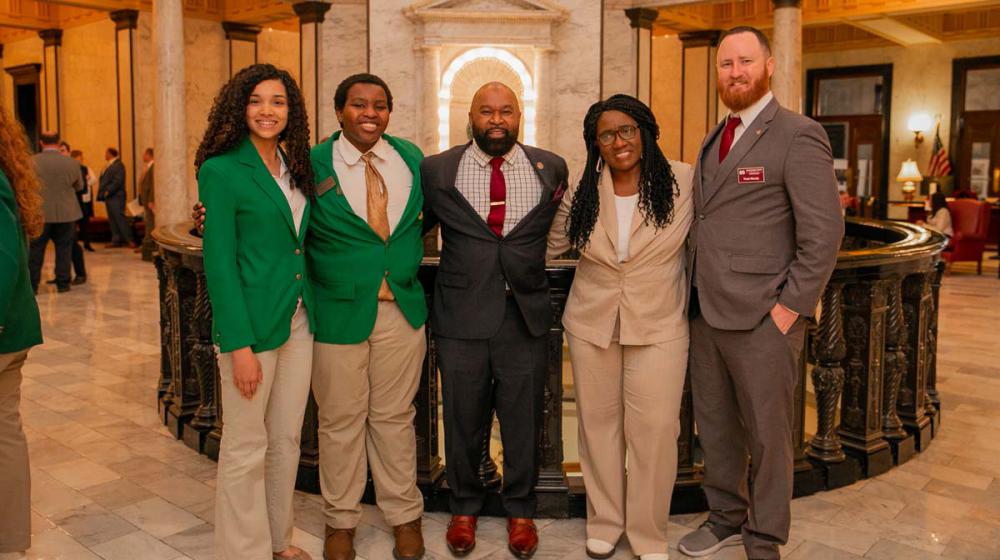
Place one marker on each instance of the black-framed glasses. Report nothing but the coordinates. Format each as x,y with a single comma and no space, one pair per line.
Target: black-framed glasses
625,132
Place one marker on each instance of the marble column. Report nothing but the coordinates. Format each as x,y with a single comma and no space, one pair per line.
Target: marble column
641,20
126,22
49,94
173,196
786,44
543,92
241,38
429,122
699,97
311,15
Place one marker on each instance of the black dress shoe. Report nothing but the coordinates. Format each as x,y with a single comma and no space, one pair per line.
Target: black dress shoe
88,247
79,280
63,288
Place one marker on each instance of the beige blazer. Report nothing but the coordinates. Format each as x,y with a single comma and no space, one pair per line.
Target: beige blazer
647,292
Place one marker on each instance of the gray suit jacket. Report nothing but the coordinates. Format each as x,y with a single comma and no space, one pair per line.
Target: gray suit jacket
60,179
469,290
767,226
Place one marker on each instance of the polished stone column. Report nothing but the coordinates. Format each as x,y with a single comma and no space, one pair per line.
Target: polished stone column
311,16
429,134
786,46
173,196
126,22
51,41
241,38
641,20
699,100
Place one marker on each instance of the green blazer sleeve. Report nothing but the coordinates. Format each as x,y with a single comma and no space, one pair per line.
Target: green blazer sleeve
10,249
20,325
225,289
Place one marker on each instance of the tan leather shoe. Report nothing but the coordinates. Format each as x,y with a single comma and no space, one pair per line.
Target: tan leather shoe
339,544
409,541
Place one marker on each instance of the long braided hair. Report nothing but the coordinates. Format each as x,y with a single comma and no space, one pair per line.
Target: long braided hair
227,123
657,185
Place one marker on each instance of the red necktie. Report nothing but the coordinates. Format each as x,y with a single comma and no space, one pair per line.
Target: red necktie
498,197
727,136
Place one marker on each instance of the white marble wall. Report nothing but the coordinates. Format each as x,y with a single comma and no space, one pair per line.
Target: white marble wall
575,68
206,69
345,52
619,50
392,40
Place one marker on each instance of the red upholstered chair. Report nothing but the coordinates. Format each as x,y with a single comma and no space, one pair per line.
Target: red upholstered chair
971,221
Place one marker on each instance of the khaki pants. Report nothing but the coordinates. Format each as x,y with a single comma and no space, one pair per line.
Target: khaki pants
15,478
365,393
259,458
628,401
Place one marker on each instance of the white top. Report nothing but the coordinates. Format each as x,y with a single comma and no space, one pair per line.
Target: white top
350,170
625,207
941,221
748,115
296,200
523,186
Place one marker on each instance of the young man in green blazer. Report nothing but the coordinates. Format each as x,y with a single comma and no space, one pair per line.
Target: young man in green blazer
363,251
20,329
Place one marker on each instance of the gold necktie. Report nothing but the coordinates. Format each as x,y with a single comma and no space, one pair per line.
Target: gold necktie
378,212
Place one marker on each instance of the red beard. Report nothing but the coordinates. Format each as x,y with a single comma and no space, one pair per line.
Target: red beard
737,101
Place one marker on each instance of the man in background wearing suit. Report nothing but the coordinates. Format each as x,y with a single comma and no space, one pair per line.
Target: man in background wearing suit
147,197
494,199
762,246
60,180
112,192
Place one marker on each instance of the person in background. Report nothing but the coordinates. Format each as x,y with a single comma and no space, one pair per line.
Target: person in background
254,173
21,218
628,336
60,180
939,217
86,200
147,197
112,192
79,265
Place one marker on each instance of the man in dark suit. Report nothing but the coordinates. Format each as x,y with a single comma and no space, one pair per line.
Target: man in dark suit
112,192
147,197
762,246
60,180
494,199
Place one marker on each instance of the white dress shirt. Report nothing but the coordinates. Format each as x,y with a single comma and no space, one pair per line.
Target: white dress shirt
748,115
625,208
350,170
524,188
296,200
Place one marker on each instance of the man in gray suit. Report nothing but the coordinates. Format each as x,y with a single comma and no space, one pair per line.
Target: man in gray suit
112,192
147,197
60,180
762,246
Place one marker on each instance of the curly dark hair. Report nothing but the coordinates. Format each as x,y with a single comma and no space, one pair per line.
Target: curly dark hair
227,123
657,185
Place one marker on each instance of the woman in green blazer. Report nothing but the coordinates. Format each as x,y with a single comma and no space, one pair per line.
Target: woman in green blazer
20,218
254,173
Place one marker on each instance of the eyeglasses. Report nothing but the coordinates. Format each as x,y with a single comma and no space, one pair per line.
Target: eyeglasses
625,132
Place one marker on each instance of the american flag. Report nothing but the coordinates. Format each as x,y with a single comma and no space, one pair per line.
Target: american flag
939,165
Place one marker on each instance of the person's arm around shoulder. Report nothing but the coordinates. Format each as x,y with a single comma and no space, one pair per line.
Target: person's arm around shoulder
426,180
558,240
819,226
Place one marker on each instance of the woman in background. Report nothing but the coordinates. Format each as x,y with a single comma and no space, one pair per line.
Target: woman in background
255,174
940,217
628,335
20,328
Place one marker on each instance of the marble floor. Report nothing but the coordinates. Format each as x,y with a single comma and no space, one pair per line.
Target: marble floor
102,486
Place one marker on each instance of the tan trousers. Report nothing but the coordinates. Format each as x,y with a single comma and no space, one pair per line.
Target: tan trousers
259,458
15,478
365,393
628,401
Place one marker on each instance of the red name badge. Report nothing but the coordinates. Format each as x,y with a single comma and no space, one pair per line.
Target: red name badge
747,175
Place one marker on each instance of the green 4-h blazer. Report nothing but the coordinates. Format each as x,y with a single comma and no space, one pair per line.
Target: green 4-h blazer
347,259
20,326
254,261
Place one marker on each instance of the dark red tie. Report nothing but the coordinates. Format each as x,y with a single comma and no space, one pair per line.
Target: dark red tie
498,197
727,136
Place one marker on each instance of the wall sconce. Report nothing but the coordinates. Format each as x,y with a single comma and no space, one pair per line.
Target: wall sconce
909,175
918,123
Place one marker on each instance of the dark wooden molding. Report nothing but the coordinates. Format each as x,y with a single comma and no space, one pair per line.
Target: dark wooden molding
236,31
311,12
125,19
51,37
642,18
787,4
693,39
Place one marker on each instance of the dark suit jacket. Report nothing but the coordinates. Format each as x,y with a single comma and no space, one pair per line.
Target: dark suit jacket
113,180
772,236
470,293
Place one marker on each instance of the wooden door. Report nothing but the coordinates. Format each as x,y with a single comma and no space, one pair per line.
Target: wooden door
979,153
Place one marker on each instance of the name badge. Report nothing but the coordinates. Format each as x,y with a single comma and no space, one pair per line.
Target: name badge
326,185
746,175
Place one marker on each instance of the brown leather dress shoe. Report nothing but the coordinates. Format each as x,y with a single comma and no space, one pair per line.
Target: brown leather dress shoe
522,537
461,534
409,541
339,544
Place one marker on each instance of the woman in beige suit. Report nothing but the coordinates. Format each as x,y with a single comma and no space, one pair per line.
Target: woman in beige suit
628,336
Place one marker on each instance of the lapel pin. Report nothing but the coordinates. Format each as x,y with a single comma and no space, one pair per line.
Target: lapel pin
760,131
540,165
339,192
